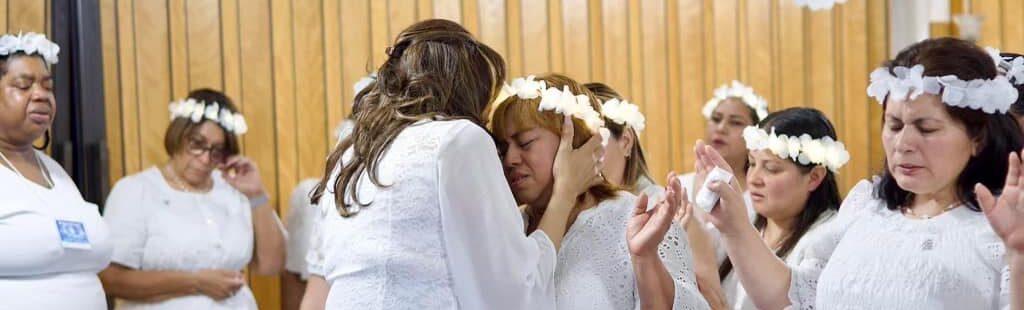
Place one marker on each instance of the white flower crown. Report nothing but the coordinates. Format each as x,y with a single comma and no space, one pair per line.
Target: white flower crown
363,83
744,93
30,43
804,149
991,96
552,99
815,5
1012,68
624,113
198,110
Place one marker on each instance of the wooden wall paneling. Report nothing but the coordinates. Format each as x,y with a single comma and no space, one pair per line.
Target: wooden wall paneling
759,52
310,92
822,66
878,52
1013,28
493,24
230,60
692,83
204,44
576,41
112,89
595,15
674,102
536,37
471,16
400,16
356,47
152,36
424,9
793,70
742,40
655,87
992,24
177,16
4,18
635,56
335,89
380,38
726,53
128,96
616,48
26,16
556,37
448,9
514,55
855,103
710,47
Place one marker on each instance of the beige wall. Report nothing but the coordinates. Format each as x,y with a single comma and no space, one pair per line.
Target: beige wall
291,63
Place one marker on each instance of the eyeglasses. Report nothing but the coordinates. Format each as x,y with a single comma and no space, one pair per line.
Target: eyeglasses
197,148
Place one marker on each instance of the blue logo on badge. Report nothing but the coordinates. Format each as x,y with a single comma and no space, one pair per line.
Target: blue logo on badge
72,232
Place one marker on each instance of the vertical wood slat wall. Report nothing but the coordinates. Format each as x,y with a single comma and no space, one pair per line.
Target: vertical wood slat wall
290,65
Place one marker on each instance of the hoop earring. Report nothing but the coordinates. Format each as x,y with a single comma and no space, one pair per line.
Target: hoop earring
46,141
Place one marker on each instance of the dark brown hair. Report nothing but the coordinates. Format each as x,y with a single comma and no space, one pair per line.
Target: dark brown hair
435,70
997,134
636,163
524,114
181,129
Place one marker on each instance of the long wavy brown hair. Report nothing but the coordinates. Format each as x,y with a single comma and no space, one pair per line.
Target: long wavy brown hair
435,70
636,163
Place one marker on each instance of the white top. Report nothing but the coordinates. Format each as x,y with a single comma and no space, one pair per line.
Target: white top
871,257
687,180
737,297
445,235
299,222
595,270
157,228
36,270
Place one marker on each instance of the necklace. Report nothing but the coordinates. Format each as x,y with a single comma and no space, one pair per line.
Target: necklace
42,170
177,182
910,212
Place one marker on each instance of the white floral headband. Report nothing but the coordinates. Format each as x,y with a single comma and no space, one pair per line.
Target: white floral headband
744,93
804,149
29,43
988,95
198,110
552,99
624,113
1011,67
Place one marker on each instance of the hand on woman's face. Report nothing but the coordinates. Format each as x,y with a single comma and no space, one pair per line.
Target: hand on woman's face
528,159
28,107
202,152
925,148
724,130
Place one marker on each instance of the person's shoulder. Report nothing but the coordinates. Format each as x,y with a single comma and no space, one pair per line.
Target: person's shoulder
148,177
465,137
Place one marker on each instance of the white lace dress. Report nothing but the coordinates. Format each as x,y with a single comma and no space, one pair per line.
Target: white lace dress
594,266
446,233
871,257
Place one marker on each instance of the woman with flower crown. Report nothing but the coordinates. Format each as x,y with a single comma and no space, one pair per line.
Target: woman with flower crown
184,231
928,233
618,253
794,156
54,242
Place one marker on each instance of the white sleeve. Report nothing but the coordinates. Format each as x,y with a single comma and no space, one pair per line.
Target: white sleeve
126,214
803,283
300,215
493,264
676,254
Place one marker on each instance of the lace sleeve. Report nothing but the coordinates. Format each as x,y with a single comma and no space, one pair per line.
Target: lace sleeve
803,283
676,254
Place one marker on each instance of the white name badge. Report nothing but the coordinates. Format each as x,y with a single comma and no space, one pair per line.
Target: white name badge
72,235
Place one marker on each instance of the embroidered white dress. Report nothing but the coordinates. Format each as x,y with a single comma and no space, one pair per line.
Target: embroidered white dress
157,228
446,233
737,297
595,270
36,270
871,257
299,222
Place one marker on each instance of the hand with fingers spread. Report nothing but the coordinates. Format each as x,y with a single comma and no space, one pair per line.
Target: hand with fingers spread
243,175
647,228
730,213
576,170
1006,213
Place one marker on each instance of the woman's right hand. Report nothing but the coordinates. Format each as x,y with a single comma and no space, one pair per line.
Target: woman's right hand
219,284
730,213
577,170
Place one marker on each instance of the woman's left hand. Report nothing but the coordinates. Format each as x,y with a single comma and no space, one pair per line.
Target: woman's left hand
242,173
1006,213
647,228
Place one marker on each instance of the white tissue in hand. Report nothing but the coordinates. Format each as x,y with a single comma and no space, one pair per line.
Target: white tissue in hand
706,199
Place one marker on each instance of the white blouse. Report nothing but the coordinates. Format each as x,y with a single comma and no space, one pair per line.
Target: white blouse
737,296
158,228
595,270
445,233
299,222
871,257
39,269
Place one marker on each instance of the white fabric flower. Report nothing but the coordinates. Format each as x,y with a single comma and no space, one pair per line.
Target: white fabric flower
525,88
624,113
198,111
803,150
240,126
31,44
363,83
740,91
988,95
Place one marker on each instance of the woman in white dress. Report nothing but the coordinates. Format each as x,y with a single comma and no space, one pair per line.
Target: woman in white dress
624,162
794,191
417,212
601,263
54,241
915,238
184,231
